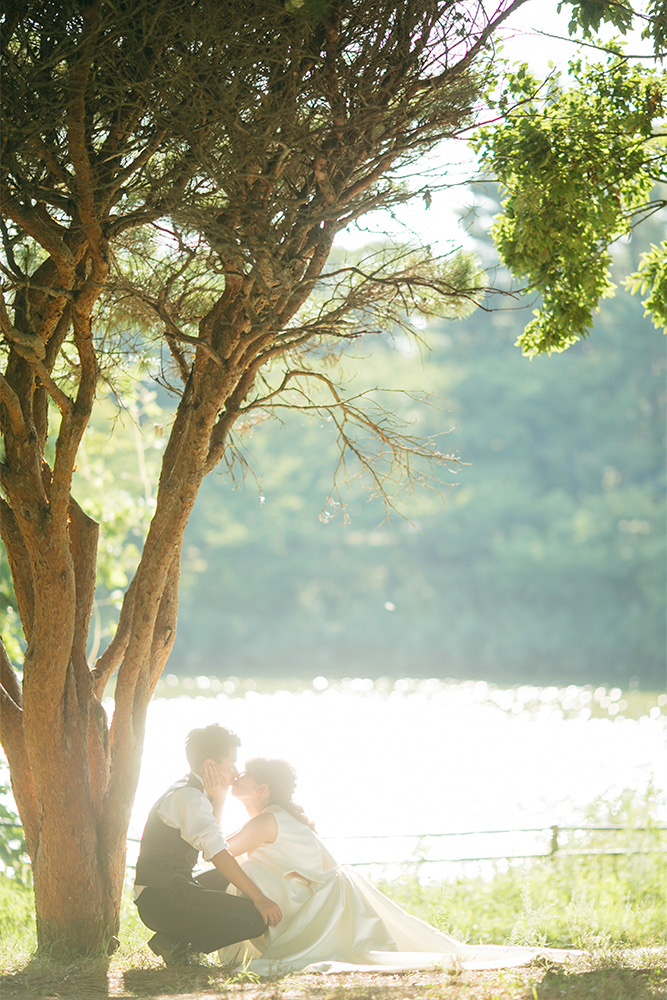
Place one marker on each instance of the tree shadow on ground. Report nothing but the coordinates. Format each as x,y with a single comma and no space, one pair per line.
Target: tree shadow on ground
185,980
605,984
40,980
548,983
86,980
97,981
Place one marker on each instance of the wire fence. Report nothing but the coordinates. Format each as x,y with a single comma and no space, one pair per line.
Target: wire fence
423,845
417,849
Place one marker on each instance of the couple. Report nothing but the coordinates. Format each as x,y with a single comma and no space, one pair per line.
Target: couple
289,907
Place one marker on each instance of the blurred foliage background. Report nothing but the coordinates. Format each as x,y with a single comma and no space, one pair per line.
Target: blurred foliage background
543,560
546,560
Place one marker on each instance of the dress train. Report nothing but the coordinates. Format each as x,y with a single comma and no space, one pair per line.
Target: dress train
335,920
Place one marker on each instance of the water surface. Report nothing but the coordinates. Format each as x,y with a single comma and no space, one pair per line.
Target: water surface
407,757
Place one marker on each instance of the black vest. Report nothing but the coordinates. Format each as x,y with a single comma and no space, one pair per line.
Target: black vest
164,855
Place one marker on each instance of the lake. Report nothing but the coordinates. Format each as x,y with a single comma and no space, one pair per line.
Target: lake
397,758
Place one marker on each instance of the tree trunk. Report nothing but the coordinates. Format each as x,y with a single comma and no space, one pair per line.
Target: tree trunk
76,794
77,903
82,773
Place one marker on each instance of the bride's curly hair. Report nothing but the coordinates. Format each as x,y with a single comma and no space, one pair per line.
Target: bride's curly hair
281,780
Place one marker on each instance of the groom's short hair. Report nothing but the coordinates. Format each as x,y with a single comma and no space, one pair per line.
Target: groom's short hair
212,742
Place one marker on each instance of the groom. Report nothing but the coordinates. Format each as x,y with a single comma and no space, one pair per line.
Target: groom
196,914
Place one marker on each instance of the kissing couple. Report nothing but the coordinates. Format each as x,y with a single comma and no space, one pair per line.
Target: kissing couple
287,906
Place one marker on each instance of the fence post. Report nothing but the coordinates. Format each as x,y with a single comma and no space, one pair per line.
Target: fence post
554,842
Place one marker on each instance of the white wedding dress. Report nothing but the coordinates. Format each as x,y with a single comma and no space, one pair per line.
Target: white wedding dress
334,920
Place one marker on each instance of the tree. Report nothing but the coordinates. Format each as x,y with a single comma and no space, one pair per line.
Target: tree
196,162
174,175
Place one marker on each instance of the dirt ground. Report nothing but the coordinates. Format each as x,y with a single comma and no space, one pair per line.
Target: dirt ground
635,976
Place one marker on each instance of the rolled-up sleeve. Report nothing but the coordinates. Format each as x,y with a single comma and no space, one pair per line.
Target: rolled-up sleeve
191,812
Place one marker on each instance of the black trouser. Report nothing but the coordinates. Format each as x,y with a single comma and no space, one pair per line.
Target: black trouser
199,913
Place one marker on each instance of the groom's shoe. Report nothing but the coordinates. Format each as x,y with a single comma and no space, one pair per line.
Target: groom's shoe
173,952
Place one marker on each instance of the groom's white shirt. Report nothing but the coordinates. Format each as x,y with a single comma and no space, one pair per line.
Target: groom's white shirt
190,811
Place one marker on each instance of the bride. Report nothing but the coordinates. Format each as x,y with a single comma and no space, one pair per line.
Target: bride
333,918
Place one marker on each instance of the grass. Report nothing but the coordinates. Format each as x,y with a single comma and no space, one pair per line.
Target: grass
522,905
612,908
586,902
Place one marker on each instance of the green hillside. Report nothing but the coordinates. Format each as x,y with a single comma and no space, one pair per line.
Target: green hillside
546,561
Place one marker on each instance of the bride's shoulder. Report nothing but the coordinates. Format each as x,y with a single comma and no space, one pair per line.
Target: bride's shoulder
274,810
280,816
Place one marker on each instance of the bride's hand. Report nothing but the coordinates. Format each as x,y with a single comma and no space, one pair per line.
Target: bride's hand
269,911
215,785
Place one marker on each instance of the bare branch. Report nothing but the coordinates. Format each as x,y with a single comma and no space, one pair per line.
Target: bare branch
15,271
12,738
140,160
479,44
164,634
385,454
60,398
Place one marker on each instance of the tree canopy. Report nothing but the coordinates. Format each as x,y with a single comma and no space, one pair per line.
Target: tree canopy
579,160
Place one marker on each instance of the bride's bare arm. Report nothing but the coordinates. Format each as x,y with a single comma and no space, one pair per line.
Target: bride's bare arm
262,829
232,871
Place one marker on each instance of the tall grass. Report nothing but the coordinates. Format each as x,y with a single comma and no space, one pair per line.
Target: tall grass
572,902
18,936
587,902
584,903
17,923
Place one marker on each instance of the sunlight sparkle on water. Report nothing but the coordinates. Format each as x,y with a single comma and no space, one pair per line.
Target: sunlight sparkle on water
417,756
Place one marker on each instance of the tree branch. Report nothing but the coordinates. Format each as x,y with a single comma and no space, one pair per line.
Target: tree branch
140,160
60,398
487,32
78,139
83,533
173,332
396,452
75,418
112,656
13,406
8,677
48,237
12,738
27,344
164,633
19,564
